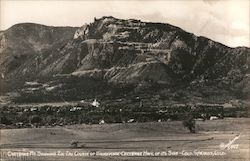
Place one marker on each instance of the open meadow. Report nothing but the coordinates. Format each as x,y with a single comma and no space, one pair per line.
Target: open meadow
226,139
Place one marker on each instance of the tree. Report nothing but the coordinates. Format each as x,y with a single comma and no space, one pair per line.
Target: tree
35,120
5,121
189,123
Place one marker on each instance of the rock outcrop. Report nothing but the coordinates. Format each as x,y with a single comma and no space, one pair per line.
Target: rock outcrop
128,52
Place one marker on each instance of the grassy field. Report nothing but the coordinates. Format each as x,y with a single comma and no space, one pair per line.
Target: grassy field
169,137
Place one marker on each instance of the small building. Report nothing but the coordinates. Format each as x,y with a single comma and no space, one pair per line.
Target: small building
95,103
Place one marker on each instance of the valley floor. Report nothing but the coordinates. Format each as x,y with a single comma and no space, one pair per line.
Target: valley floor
168,139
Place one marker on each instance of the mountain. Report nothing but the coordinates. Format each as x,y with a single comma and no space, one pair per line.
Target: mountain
24,49
118,58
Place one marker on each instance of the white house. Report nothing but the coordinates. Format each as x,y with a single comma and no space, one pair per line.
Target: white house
95,103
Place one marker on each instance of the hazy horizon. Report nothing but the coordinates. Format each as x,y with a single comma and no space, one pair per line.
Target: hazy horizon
225,21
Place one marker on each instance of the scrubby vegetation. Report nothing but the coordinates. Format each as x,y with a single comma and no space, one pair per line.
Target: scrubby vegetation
86,113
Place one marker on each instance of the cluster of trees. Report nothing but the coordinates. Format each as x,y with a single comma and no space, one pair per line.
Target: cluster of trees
87,114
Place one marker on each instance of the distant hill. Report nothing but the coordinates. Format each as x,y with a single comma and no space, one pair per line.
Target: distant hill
25,49
114,57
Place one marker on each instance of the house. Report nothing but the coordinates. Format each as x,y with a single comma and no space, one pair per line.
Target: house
95,103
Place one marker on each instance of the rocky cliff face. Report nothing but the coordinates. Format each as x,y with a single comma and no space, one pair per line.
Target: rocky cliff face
127,52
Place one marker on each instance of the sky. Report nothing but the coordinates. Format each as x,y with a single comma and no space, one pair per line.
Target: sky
225,21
